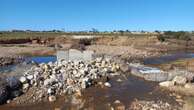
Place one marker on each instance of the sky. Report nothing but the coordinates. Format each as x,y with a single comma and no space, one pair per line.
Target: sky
104,15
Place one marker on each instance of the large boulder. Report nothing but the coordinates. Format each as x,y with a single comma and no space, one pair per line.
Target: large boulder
118,105
180,80
189,86
52,98
15,93
23,79
13,83
166,84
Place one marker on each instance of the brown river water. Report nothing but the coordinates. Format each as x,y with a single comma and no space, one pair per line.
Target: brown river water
99,98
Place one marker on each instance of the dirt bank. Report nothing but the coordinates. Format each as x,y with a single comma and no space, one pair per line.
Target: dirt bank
16,50
147,44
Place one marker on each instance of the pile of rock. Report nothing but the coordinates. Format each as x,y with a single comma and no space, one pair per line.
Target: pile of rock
180,85
67,77
177,80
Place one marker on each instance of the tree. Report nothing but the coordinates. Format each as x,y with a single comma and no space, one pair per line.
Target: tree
94,30
121,32
128,31
161,37
156,31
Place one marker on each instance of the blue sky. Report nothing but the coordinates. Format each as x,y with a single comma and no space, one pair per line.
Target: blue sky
77,15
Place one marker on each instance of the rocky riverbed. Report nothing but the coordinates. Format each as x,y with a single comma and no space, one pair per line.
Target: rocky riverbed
75,82
65,84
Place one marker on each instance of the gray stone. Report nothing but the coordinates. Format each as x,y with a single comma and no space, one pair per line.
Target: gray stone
50,81
52,98
23,79
180,80
8,101
189,86
13,83
30,77
117,101
75,72
50,91
99,59
103,64
119,80
107,84
83,85
26,86
82,71
166,84
118,105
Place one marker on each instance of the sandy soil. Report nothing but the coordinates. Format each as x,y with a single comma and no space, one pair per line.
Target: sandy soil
124,51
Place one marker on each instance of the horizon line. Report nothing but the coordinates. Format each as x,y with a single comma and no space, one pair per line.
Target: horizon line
90,30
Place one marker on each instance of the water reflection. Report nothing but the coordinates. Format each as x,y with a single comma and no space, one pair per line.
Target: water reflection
42,59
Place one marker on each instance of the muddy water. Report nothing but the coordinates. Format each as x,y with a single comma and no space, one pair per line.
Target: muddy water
126,91
98,98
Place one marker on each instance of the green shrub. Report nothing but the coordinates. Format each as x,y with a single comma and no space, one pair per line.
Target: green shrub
161,38
85,41
182,35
